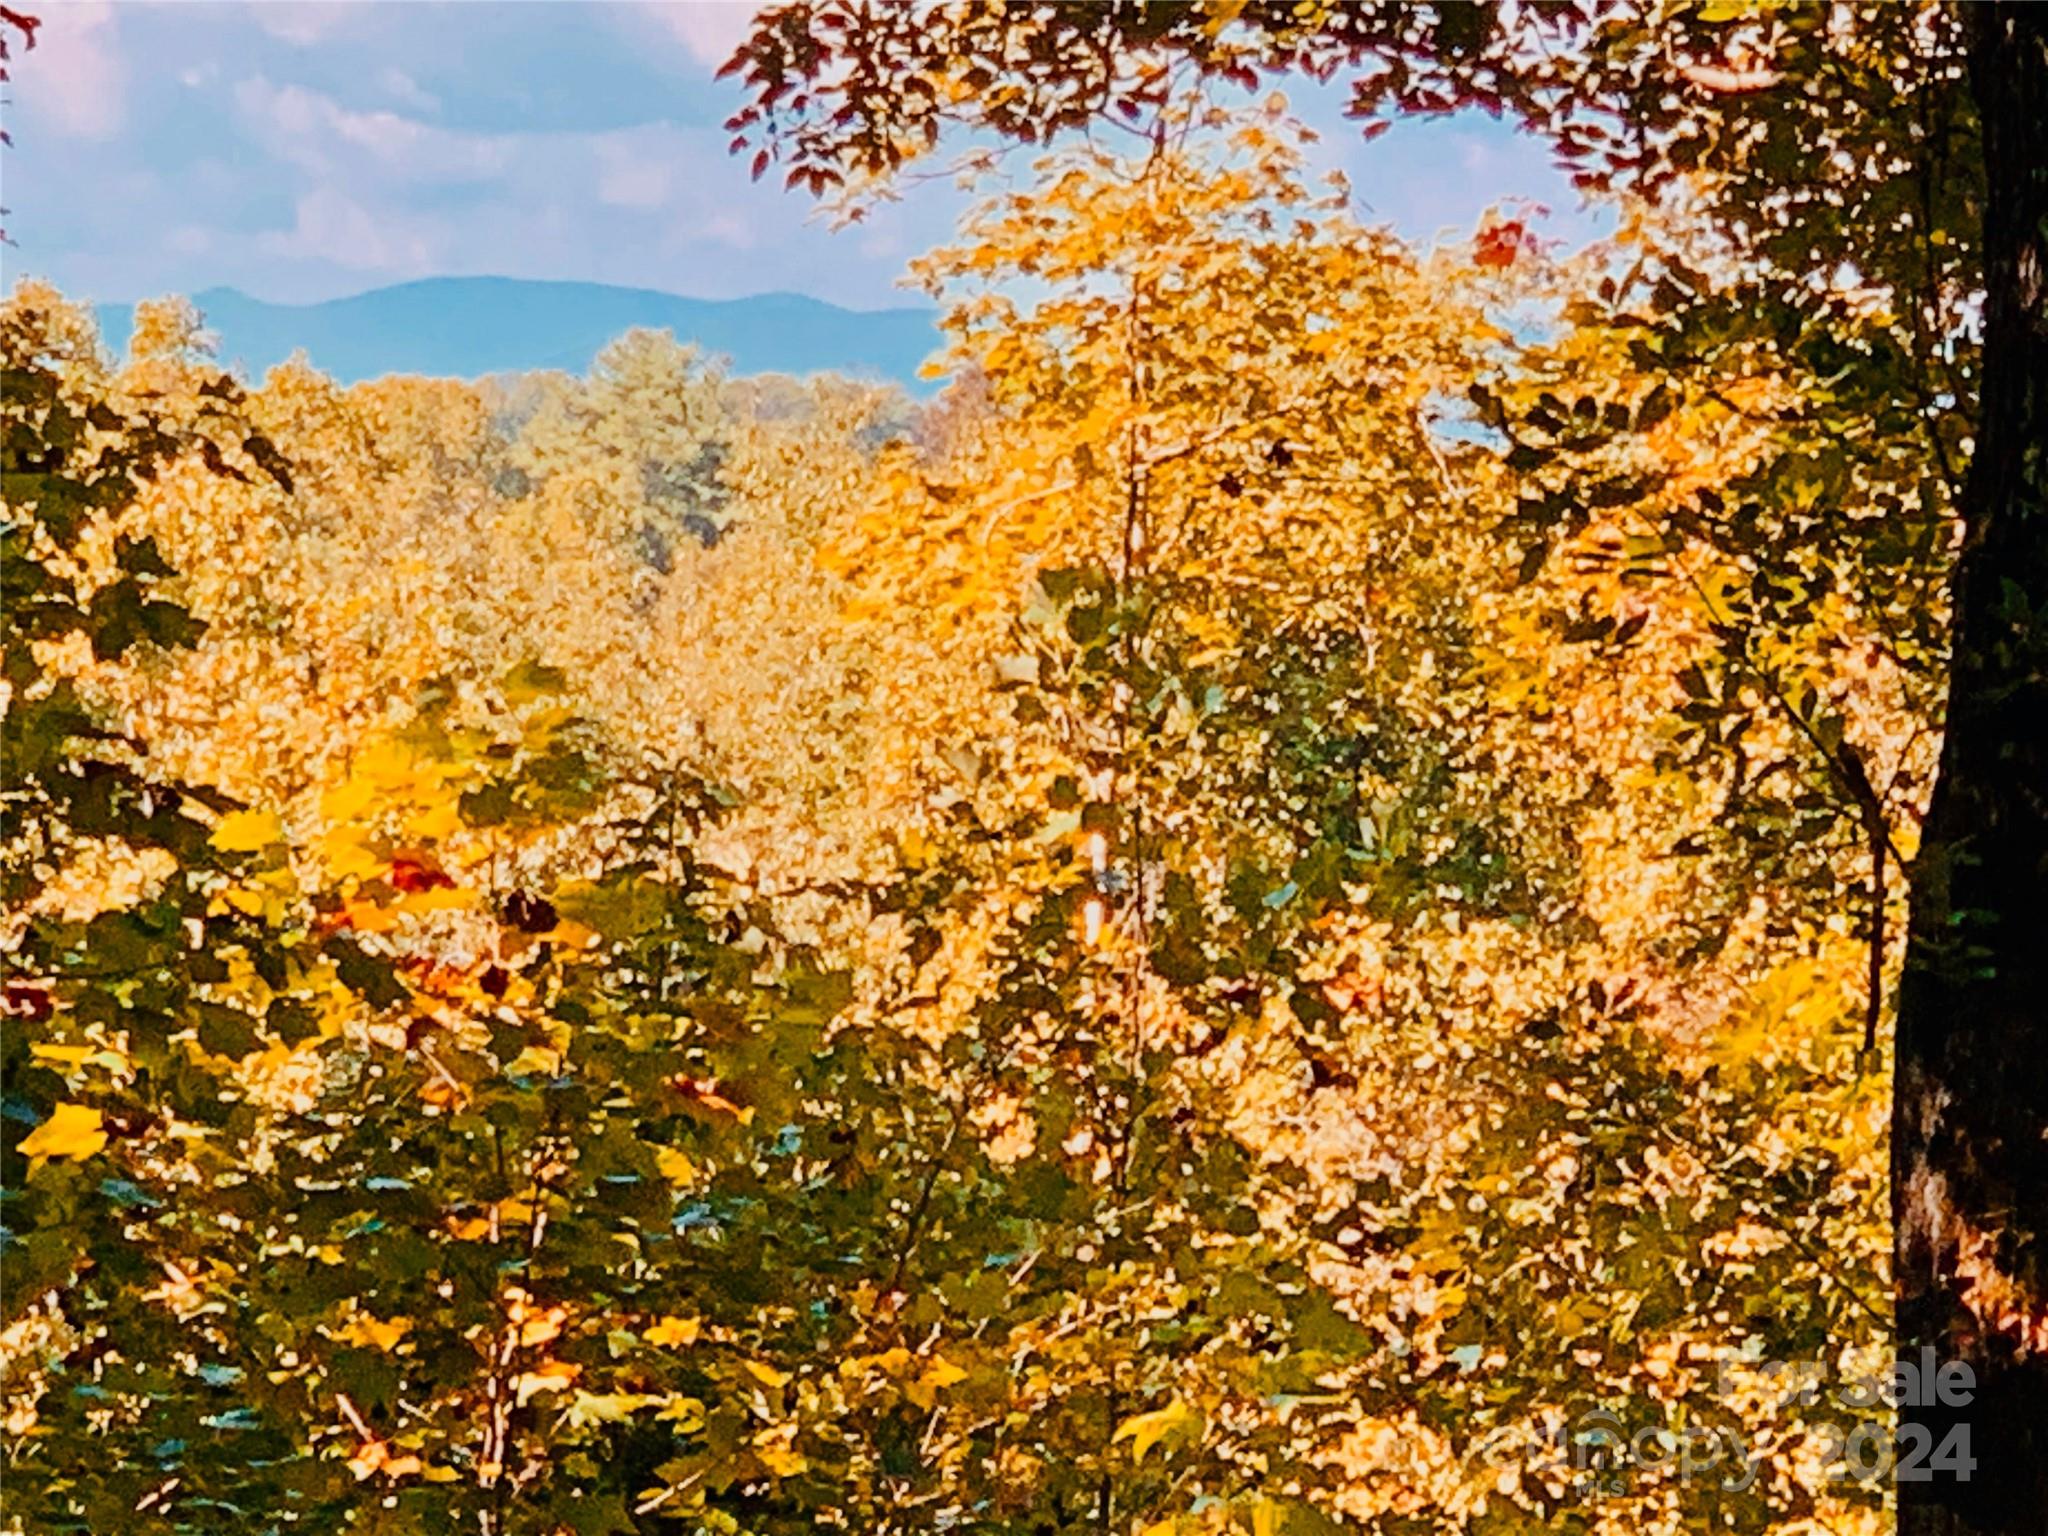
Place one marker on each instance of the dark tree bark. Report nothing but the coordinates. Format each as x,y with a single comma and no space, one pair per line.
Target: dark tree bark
1970,1115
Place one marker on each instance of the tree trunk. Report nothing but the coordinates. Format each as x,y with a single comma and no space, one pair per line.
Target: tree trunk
1970,1115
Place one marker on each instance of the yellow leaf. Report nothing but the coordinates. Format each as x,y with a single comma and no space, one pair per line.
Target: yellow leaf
73,1131
1438,1247
266,896
1145,1430
941,1373
674,1332
368,917
345,802
775,1454
588,1408
70,1058
348,855
387,765
896,1362
442,898
535,1060
369,1456
437,823
687,1413
541,1328
555,1376
443,1094
374,1333
248,903
767,1375
247,831
570,934
375,1456
675,1166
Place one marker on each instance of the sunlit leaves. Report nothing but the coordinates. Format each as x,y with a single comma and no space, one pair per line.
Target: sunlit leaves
1113,949
1145,1430
73,1131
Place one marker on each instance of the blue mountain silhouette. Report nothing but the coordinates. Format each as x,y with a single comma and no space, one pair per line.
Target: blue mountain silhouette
464,327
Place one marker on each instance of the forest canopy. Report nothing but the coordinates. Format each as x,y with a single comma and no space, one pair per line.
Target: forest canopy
1276,913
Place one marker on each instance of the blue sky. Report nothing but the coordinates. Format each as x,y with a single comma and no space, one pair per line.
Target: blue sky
300,151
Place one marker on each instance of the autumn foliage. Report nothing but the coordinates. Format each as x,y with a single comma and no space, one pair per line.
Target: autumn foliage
1228,927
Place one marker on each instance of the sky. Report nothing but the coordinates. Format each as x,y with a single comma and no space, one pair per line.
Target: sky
303,151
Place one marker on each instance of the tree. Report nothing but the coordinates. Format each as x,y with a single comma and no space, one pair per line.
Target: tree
124,899
1221,1073
1890,150
12,22
1242,600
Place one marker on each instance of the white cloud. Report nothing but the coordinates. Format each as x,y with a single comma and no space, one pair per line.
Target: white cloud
710,29
332,227
881,244
629,176
297,174
1477,155
319,134
76,79
403,88
301,22
731,229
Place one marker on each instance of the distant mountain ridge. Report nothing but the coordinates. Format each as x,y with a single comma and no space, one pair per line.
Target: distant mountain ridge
465,327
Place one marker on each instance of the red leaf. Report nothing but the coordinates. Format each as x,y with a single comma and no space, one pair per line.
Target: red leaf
1498,245
412,875
26,1000
703,1092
